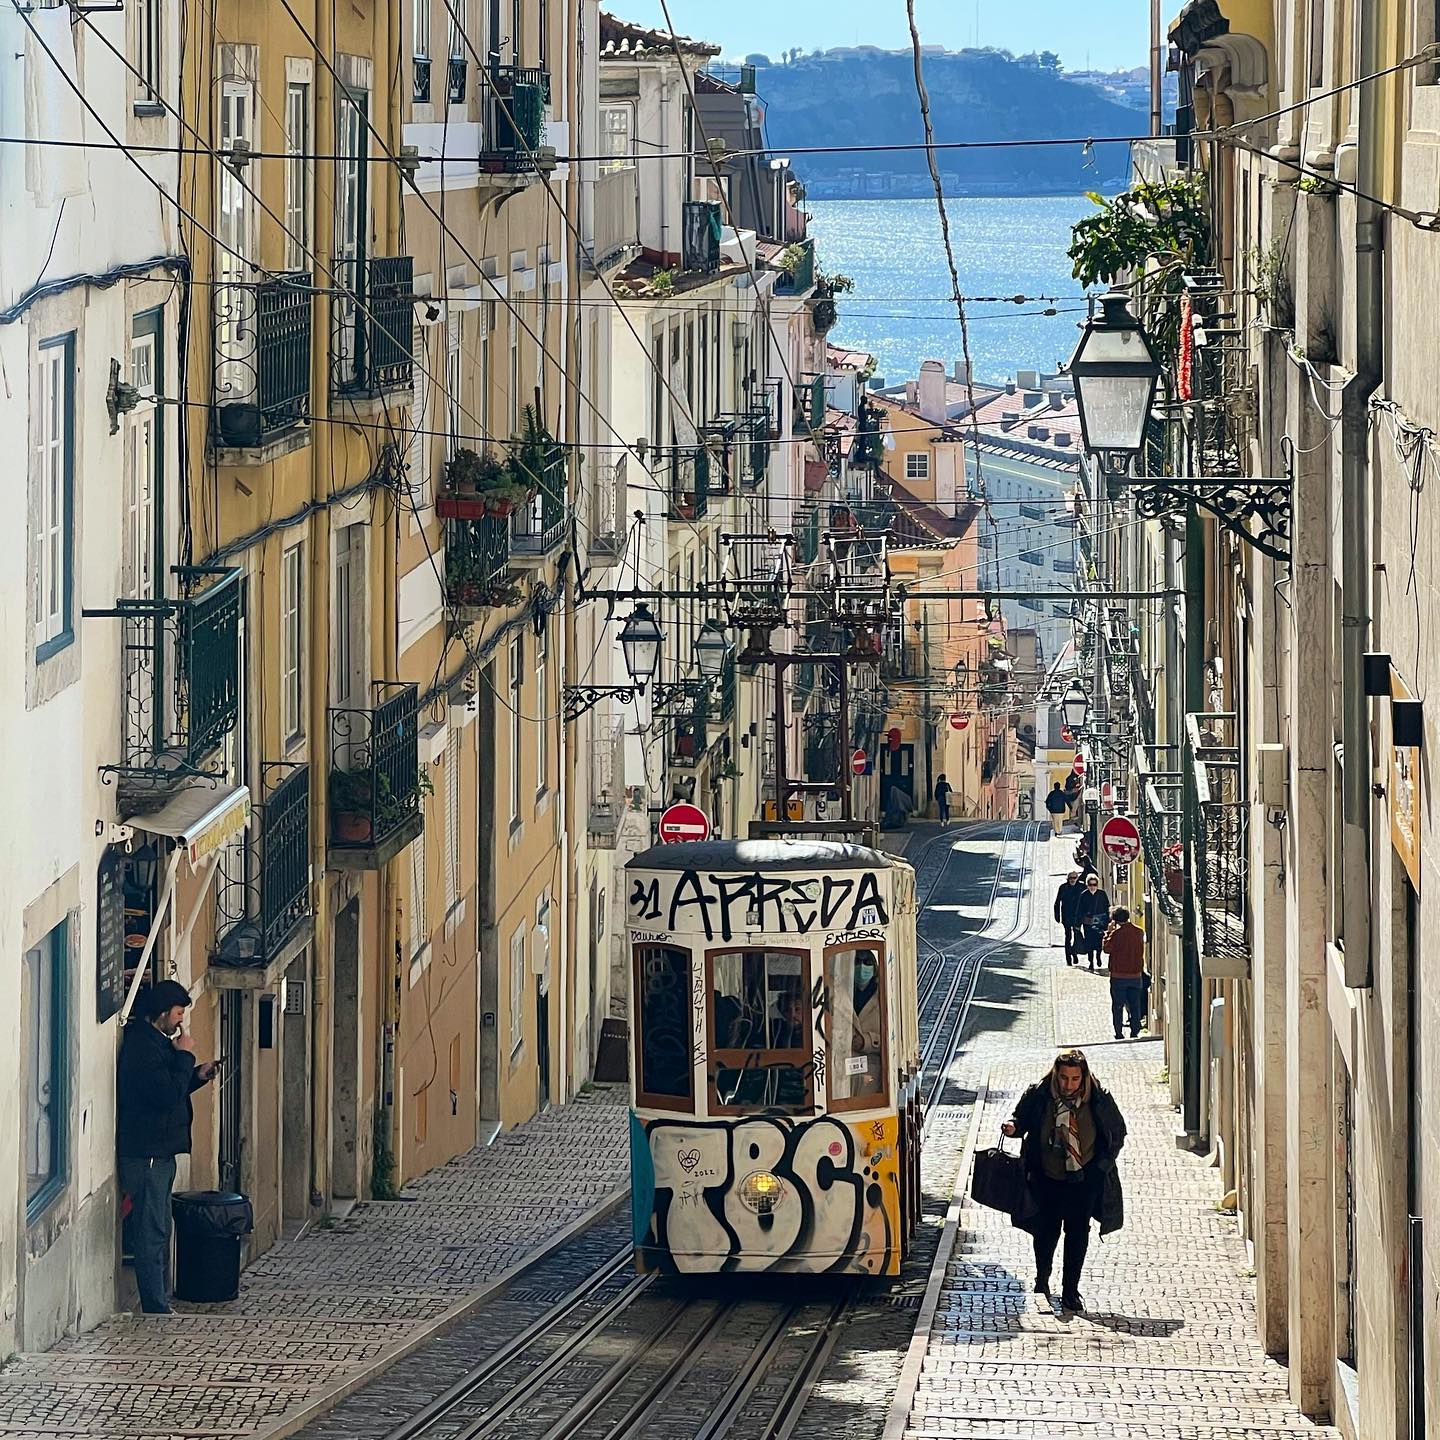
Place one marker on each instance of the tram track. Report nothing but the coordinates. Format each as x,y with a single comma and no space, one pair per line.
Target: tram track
618,1359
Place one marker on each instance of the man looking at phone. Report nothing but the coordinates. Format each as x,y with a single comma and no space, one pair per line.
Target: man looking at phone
157,1074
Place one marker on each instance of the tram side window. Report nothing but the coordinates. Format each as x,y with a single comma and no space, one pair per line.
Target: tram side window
666,1052
854,982
761,1029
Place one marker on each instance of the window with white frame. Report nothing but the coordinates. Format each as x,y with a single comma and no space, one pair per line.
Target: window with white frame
292,643
149,53
517,988
420,14
46,1068
53,425
142,460
514,375
419,926
454,383
349,617
452,819
542,728
419,427
298,173
234,296
917,465
517,660
617,137
351,227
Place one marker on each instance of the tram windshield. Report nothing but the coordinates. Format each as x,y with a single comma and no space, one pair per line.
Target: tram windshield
854,985
762,1029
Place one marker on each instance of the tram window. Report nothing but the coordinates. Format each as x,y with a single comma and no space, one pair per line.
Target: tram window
855,987
761,1030
665,1050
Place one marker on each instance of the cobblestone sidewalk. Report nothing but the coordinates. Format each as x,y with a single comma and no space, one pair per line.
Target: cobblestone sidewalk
1167,1349
317,1314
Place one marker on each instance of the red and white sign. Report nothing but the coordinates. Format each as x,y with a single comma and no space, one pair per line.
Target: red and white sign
1079,766
1107,796
1066,734
681,823
858,762
959,721
1120,840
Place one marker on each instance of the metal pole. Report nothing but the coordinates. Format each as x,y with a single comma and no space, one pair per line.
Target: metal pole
1157,108
1191,988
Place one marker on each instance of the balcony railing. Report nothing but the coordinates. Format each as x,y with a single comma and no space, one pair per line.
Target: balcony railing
538,527
1221,839
798,275
263,888
690,739
810,405
375,778
373,317
263,338
720,698
684,470
617,214
477,565
1159,792
869,446
700,232
420,86
458,73
180,676
516,102
605,497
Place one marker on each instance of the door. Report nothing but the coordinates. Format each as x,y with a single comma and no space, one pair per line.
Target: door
231,1086
901,773
488,1049
345,1119
542,1046
234,296
295,1095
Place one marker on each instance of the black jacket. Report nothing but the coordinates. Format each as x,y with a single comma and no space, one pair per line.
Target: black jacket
152,1102
1067,900
1092,910
1057,802
1029,1118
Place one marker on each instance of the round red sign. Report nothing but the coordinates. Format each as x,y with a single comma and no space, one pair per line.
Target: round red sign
682,823
959,722
1079,766
858,762
1120,840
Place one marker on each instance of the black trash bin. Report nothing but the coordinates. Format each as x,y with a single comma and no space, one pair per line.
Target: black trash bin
210,1226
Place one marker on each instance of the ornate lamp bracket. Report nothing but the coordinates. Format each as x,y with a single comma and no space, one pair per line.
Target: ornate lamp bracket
1234,501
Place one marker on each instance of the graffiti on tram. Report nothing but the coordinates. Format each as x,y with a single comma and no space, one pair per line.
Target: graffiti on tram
725,905
838,1205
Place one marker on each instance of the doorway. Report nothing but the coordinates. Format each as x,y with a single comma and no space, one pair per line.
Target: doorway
232,1088
487,1050
542,1048
345,1103
295,1176
900,774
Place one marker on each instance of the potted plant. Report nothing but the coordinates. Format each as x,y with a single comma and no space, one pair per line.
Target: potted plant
351,795
469,477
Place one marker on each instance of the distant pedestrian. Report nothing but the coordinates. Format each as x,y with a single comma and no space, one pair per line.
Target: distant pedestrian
1092,915
156,1075
1067,899
943,793
1072,1133
1124,943
1058,808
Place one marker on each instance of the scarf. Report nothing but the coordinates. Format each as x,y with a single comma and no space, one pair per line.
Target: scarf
1067,1134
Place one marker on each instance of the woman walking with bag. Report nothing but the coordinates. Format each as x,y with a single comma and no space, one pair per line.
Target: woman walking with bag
1092,917
1072,1130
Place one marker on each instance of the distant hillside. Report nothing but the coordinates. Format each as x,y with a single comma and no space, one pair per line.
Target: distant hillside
867,97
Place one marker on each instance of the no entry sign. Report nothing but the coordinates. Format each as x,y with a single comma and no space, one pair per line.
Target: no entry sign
681,823
959,721
1120,840
858,762
1079,766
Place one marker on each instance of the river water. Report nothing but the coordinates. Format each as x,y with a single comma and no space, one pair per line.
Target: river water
902,311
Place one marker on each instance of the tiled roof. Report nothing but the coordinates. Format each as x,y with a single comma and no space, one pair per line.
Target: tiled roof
839,358
918,524
621,40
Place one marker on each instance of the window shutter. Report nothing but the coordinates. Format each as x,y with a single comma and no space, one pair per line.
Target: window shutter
418,927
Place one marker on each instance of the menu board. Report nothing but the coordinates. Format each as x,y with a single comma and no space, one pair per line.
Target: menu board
109,936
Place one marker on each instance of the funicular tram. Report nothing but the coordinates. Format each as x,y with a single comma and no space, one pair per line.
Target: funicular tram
775,1114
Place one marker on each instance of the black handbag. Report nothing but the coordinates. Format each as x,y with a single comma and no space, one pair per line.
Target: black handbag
998,1180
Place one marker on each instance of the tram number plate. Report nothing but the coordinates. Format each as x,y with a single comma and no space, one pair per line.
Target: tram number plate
857,1064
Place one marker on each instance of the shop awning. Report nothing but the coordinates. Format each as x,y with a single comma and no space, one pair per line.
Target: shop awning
201,817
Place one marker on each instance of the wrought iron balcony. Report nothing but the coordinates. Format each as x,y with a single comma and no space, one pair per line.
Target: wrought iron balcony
420,87
263,894
538,528
457,76
1221,839
605,505
720,698
810,405
477,566
263,339
684,471
375,780
373,324
700,232
515,126
798,275
180,673
690,739
1159,818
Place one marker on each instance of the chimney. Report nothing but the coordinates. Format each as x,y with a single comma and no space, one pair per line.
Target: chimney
1009,417
1062,439
1028,379
911,391
962,373
1042,432
1033,397
1009,387
932,393
1058,402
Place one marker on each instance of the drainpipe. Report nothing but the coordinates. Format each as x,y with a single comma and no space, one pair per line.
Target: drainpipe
1355,503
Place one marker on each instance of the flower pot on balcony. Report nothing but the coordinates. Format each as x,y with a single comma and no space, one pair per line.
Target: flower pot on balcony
239,425
499,506
1175,883
460,507
352,827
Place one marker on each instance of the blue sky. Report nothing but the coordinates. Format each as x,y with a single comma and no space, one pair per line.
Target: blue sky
1112,33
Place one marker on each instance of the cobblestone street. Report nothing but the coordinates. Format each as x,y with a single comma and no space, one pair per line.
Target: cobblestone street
318,1314
1167,1348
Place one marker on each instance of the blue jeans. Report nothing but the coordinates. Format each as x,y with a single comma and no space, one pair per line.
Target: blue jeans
148,1183
1127,995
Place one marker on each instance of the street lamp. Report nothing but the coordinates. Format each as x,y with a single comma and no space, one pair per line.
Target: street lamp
1115,373
640,640
1074,707
712,650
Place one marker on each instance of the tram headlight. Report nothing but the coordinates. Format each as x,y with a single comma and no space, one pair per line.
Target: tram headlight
762,1191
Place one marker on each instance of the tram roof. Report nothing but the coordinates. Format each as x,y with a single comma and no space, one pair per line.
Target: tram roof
763,855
